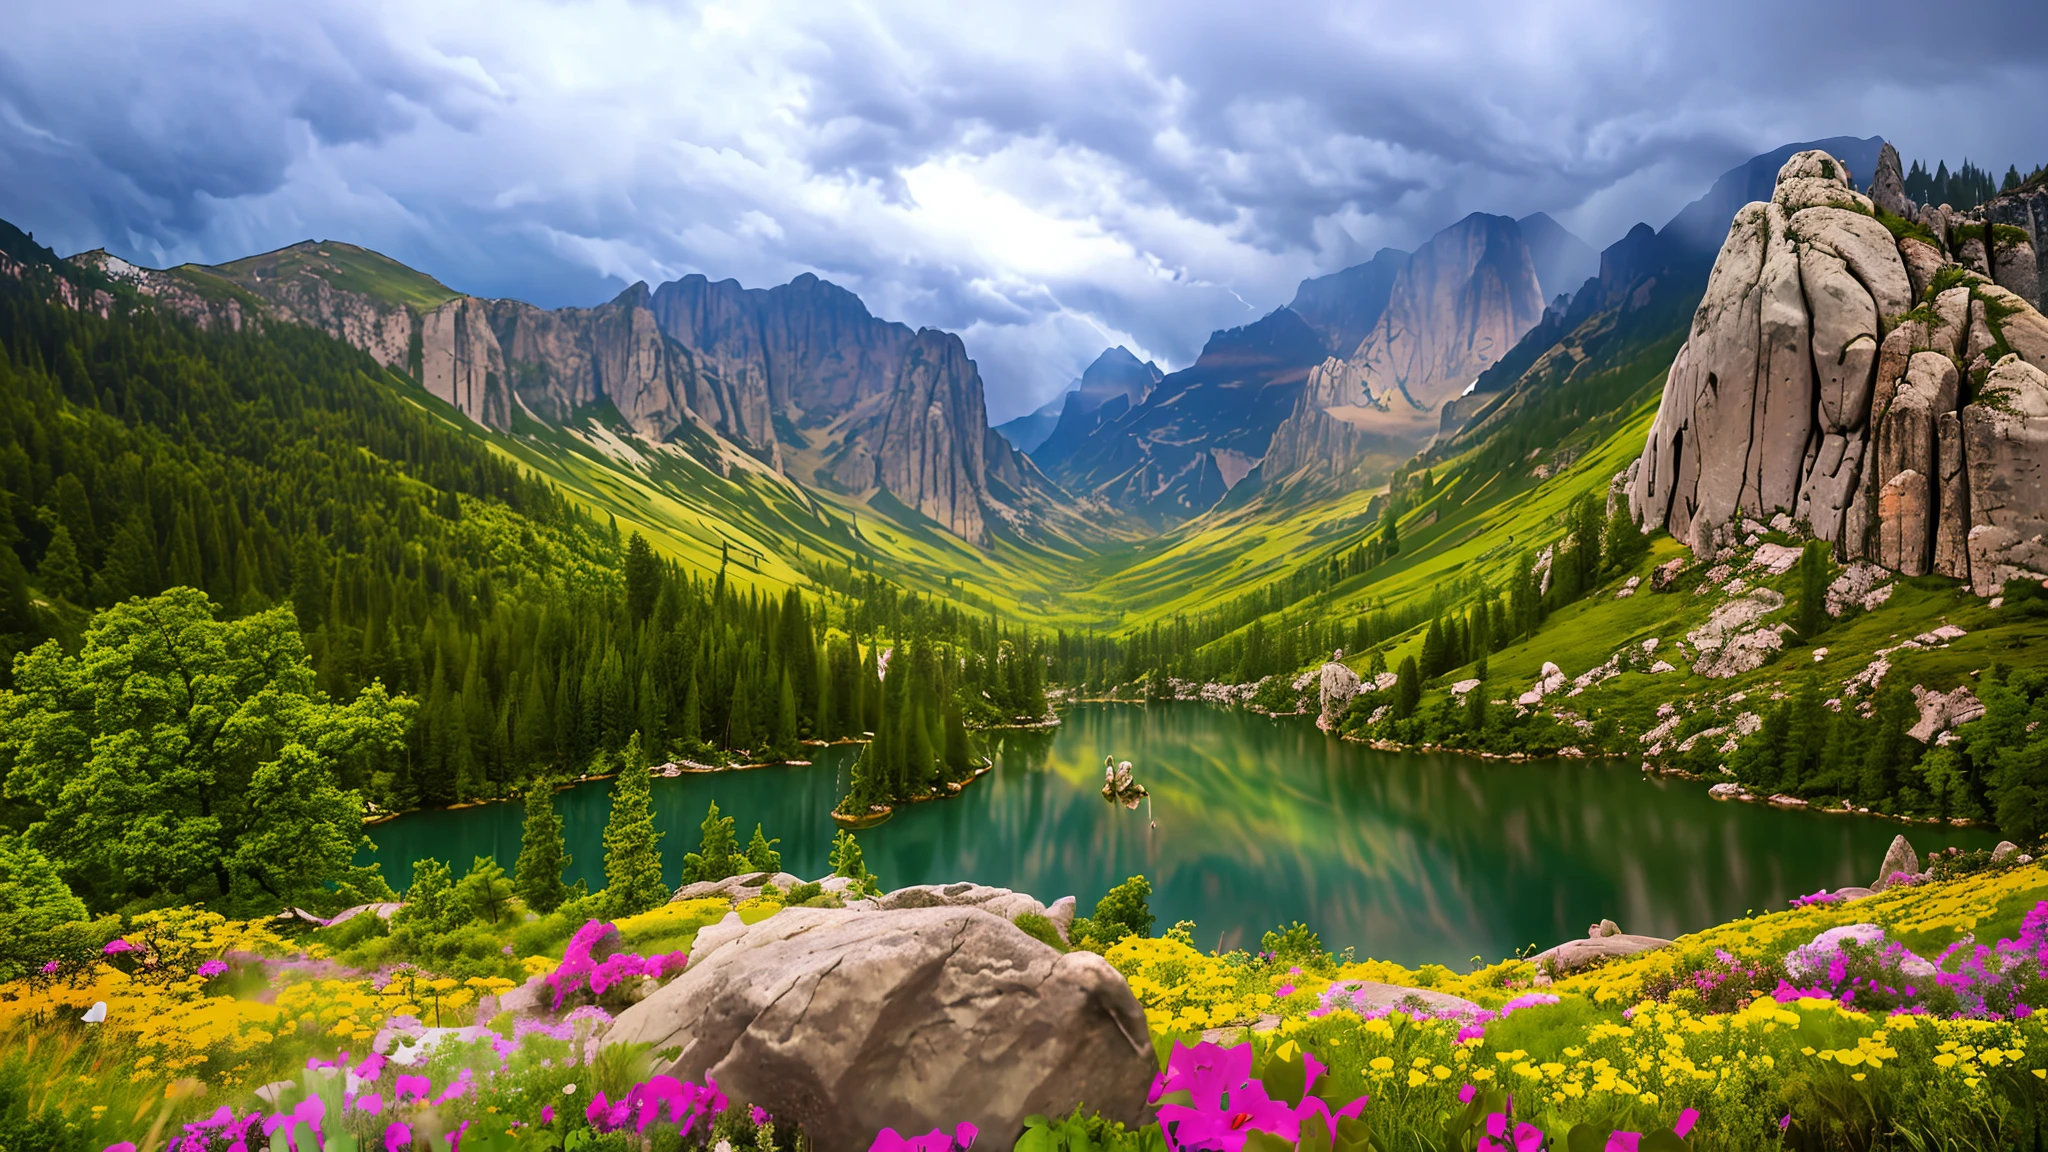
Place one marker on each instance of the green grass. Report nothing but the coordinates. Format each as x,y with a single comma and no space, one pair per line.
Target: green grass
347,268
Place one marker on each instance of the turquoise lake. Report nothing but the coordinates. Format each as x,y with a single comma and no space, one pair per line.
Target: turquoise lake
1254,822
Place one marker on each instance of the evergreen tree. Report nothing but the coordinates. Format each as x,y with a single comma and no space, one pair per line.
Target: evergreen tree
632,856
1408,690
1813,588
485,891
761,854
1390,530
718,851
60,573
1624,543
643,579
543,853
1475,708
846,861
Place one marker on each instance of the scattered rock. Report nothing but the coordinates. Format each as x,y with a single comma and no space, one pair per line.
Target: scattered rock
1728,790
1900,857
1463,686
1551,680
845,1022
1784,801
1662,576
1662,666
1628,588
1603,929
1775,559
736,888
1819,654
1941,711
1939,637
1809,961
2005,851
1365,996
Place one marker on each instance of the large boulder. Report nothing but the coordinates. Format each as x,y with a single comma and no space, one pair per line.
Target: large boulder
2013,265
1573,955
1899,858
1364,996
1339,685
846,1022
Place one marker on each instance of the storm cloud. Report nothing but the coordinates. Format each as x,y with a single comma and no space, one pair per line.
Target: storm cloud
1044,178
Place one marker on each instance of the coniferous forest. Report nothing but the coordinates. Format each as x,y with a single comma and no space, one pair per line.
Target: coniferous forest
279,471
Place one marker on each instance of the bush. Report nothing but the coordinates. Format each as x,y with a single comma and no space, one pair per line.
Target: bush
1040,929
1123,912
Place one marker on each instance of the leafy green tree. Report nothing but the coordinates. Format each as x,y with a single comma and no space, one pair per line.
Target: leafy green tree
431,905
632,854
1123,911
761,854
179,755
543,853
485,893
33,897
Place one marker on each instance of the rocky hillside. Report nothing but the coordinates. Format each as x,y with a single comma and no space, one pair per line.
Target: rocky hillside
1870,367
801,378
1457,306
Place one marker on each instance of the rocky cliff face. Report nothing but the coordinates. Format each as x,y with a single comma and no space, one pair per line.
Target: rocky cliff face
801,377
1854,363
1458,305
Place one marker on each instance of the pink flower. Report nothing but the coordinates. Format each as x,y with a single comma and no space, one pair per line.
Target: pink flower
116,947
1623,1141
1686,1120
1284,991
370,1103
411,1085
51,969
547,1113
1466,1093
397,1136
213,968
759,1115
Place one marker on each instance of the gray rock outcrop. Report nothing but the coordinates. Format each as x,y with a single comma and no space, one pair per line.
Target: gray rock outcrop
1824,379
1573,955
1899,858
848,1022
1339,685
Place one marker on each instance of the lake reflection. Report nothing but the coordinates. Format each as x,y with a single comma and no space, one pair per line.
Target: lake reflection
1254,822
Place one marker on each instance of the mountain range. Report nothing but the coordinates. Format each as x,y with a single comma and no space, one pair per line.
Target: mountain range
802,388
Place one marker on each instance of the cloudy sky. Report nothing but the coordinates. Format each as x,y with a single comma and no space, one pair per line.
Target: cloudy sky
1045,178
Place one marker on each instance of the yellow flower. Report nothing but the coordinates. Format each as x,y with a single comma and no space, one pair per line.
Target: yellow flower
1381,1064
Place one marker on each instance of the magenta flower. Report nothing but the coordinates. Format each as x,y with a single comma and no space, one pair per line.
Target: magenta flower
1284,991
759,1115
370,1103
1686,1120
51,968
937,1140
547,1114
1466,1093
212,968
397,1136
408,1084
116,947
1623,1141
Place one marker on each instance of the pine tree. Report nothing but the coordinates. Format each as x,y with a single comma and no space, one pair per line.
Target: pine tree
543,854
632,856
1408,692
1813,590
1475,708
782,742
718,851
60,573
761,853
643,579
846,861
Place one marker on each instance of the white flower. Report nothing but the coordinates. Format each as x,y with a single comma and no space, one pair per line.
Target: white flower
95,1014
722,1146
568,1089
